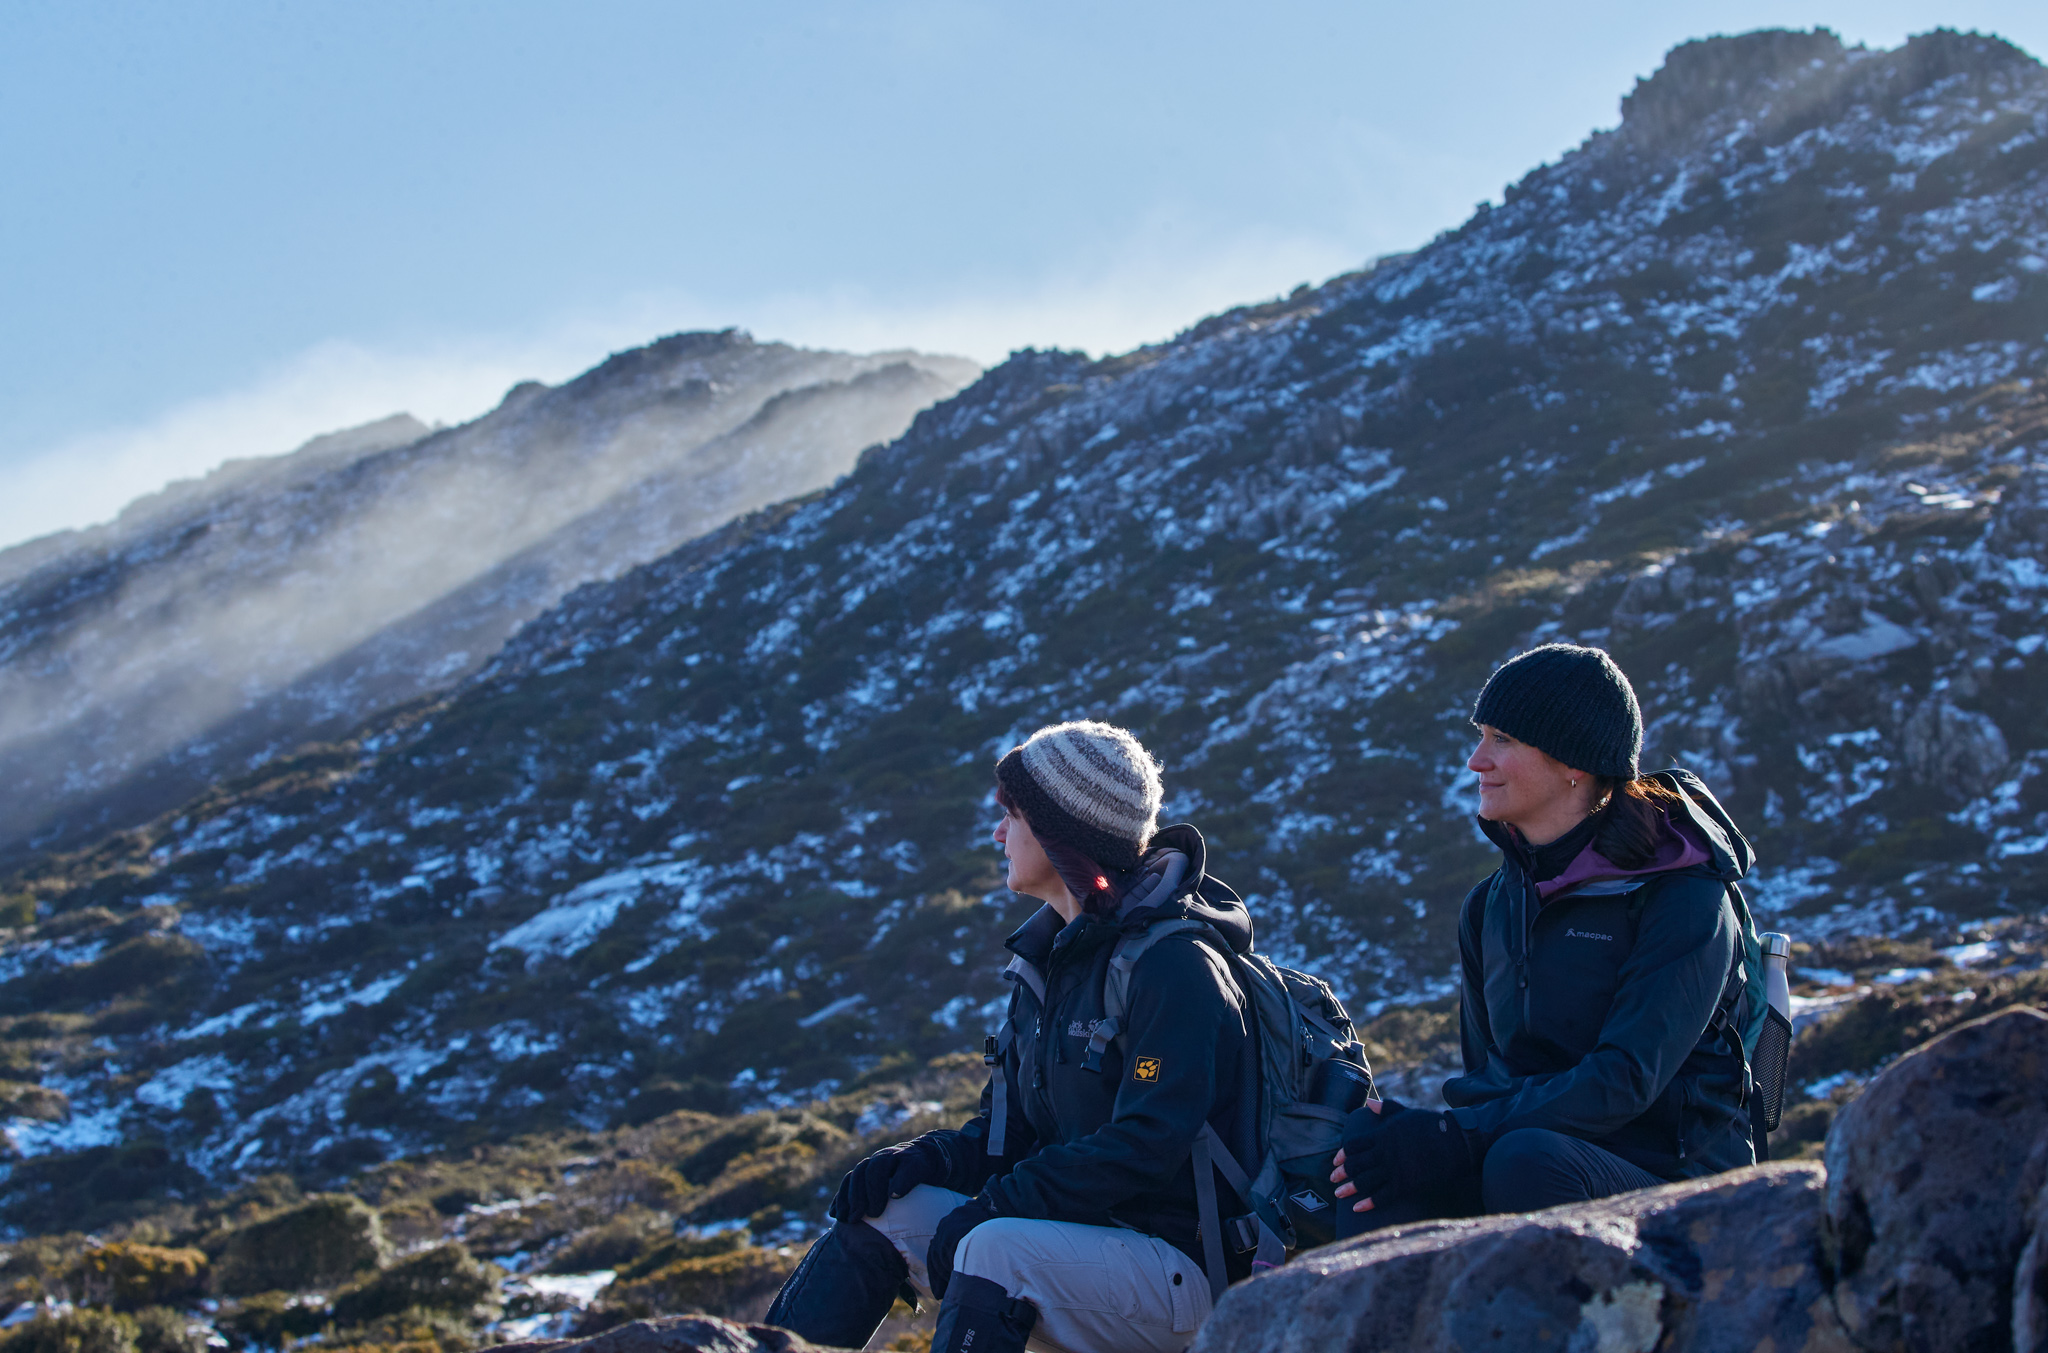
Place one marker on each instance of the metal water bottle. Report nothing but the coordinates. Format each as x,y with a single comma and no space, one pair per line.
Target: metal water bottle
1774,1042
1777,990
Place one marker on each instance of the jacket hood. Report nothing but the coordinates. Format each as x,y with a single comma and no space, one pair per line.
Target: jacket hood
1169,884
1172,883
1697,833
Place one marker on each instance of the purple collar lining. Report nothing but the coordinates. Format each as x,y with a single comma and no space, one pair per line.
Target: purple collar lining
1676,851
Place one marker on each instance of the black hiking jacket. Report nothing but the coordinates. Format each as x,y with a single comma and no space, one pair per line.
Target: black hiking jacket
1587,1012
1111,1147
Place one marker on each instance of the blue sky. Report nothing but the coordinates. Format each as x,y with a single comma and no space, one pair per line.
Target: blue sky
230,226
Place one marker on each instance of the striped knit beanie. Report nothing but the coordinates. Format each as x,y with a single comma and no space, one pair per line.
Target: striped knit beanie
1086,785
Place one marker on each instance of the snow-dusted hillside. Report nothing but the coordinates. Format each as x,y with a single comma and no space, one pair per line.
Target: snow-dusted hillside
1748,390
228,619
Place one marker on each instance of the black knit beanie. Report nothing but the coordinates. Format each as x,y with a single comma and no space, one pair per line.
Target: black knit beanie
1570,702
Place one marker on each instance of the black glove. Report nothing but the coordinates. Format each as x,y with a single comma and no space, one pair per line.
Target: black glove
1412,1152
889,1173
953,1228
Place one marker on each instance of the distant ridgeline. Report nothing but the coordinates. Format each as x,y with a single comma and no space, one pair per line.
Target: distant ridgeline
289,598
1746,390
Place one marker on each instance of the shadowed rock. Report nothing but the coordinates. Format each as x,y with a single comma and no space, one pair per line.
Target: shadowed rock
1931,1173
1714,1264
2030,1278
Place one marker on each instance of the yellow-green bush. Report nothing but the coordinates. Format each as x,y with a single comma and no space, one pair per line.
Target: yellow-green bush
680,1248
268,1320
413,1331
81,1331
320,1244
159,1329
718,1284
446,1278
129,1276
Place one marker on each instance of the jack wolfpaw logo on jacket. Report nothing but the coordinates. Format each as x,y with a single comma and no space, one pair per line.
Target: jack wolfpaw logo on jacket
1145,1069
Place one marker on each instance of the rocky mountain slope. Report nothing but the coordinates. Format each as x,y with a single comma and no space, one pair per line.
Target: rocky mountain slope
226,619
1747,389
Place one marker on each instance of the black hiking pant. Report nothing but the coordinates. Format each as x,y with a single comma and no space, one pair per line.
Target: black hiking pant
1525,1171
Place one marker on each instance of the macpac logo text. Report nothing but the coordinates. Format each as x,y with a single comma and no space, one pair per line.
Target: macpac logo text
1586,935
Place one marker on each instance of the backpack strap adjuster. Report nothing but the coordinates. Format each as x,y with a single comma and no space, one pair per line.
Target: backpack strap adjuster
1098,1042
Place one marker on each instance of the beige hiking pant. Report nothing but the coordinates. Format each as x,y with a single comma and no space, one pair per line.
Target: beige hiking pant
1098,1289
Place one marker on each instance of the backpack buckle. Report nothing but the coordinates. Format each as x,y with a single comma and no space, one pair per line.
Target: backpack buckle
989,1055
1242,1233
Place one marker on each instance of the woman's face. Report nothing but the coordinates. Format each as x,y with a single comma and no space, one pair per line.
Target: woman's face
1525,788
1031,873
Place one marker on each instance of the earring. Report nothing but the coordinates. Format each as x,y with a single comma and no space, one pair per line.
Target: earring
1575,784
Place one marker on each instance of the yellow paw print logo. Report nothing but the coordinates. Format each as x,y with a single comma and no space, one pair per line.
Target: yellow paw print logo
1147,1069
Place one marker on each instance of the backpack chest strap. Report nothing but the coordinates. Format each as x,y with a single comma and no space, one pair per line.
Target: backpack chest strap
996,1053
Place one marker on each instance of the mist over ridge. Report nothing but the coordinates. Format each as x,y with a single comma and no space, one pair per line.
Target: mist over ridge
275,600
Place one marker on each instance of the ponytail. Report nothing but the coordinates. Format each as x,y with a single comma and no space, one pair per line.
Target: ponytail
1632,824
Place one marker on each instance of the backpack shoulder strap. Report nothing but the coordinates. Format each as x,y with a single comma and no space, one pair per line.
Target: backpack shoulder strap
1116,987
995,1051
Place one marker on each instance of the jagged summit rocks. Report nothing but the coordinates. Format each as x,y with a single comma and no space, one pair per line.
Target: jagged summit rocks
1781,82
275,602
1759,412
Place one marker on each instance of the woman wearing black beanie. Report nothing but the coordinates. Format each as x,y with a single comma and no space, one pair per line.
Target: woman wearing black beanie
1598,968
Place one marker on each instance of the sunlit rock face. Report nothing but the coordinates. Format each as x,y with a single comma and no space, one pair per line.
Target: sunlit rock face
1745,390
277,601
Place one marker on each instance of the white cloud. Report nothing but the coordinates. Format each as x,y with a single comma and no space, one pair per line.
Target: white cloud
1141,292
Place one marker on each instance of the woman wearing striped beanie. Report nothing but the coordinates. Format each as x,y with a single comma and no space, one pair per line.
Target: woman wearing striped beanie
1080,800
1066,1212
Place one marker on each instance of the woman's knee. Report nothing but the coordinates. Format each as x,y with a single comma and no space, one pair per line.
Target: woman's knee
991,1250
1521,1172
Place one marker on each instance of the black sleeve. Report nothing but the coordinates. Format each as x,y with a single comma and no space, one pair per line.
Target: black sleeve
1670,983
1475,1031
1182,1007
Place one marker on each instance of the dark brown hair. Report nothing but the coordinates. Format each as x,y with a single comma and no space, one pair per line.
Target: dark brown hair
1092,885
1632,824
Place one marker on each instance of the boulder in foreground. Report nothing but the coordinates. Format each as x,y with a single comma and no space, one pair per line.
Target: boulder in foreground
1932,1176
1715,1264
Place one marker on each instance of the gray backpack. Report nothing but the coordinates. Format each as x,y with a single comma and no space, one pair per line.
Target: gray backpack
1301,1024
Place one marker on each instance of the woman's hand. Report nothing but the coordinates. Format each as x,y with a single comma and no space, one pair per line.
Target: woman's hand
1420,1152
1360,1125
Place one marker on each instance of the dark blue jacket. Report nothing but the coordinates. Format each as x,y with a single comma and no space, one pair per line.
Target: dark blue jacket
1111,1147
1588,1013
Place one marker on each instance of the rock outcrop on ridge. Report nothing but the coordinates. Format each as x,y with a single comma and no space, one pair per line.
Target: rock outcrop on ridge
284,600
1747,390
1921,1235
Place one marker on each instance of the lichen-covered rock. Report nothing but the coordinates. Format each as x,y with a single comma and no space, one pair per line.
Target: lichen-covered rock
1927,1197
1715,1264
675,1334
